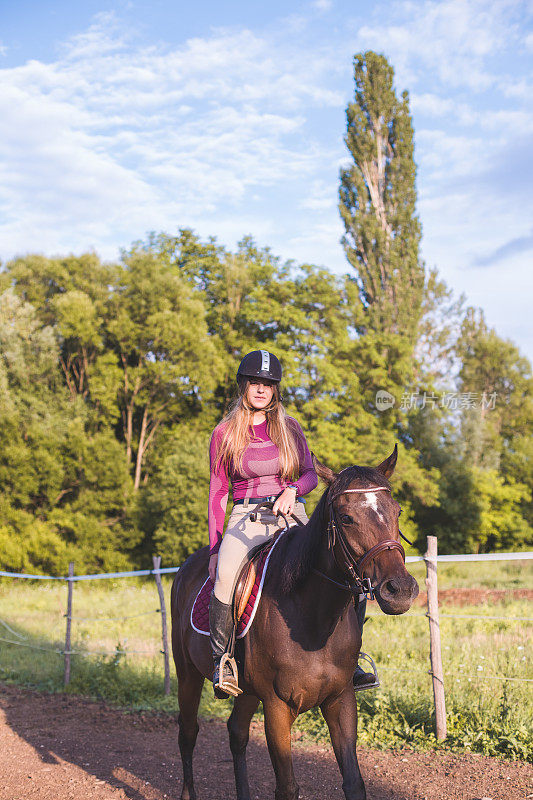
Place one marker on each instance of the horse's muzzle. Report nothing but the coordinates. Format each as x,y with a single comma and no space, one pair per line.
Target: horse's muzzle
395,595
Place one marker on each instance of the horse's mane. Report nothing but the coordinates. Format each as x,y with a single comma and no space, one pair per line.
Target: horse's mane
298,548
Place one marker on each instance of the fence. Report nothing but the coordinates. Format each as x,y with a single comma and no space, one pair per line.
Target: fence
431,558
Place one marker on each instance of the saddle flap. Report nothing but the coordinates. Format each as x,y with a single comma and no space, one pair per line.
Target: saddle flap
199,617
247,578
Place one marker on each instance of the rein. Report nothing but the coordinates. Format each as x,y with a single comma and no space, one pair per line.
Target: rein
350,563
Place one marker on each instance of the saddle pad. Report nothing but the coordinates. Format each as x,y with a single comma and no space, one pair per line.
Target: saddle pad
200,609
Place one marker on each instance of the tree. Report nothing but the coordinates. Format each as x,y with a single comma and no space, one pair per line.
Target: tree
382,237
497,427
378,199
164,363
32,400
499,383
65,488
70,293
377,204
172,507
230,285
436,357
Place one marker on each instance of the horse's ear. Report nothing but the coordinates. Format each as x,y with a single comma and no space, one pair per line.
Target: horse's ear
387,467
327,474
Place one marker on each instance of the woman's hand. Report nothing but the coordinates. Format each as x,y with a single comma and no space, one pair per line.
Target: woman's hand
213,560
286,501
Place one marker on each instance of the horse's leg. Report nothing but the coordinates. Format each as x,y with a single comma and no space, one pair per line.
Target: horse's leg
244,708
341,717
190,683
278,723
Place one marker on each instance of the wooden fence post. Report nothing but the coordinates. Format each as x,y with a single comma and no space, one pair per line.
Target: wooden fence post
70,582
434,637
157,565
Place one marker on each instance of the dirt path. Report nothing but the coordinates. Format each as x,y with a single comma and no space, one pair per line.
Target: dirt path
58,747
472,596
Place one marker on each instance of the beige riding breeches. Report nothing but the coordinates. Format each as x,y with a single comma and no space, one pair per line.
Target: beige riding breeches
241,536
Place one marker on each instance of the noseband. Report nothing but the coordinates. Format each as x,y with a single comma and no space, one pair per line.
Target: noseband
349,563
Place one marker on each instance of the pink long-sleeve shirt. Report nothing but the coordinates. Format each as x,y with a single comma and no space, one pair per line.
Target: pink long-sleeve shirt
259,476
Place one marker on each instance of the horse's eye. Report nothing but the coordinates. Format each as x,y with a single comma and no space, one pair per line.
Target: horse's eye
345,519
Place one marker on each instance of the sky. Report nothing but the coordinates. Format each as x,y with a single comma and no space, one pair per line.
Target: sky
122,117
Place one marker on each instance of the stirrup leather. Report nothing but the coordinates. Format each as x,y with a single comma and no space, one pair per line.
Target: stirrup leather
230,687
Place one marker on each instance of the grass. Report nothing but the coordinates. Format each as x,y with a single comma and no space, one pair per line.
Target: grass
121,661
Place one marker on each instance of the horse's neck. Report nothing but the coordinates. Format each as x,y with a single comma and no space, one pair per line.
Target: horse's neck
326,599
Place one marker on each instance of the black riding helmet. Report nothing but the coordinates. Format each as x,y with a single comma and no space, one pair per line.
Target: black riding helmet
260,364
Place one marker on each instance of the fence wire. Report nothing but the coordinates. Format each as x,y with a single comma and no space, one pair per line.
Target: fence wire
118,652
170,570
11,630
462,616
454,675
108,619
82,652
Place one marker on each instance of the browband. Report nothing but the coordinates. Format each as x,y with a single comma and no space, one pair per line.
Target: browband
370,489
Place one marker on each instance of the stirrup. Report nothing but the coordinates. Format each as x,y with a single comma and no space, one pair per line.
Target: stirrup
230,687
376,683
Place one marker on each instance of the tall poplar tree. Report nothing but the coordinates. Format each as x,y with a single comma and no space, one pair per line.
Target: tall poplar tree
378,199
377,204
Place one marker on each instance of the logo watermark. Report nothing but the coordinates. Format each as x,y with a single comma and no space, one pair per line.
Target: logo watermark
384,400
453,401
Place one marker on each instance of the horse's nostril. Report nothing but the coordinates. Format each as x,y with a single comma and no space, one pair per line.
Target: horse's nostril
391,587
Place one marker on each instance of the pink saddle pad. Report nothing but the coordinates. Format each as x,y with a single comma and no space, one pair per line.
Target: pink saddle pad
200,609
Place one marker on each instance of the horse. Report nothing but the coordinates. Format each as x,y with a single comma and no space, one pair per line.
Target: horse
303,646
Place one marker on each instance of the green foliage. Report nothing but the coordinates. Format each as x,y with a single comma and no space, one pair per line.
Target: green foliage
499,434
173,506
65,486
157,330
29,544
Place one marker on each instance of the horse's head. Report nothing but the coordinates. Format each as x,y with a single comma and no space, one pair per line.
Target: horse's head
365,519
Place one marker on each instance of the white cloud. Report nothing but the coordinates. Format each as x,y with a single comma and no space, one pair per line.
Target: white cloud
452,38
314,240
232,132
432,104
112,138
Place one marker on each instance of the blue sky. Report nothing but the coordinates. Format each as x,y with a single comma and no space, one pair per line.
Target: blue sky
117,118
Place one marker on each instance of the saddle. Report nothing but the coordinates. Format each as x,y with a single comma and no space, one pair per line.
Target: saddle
248,587
248,591
247,582
247,578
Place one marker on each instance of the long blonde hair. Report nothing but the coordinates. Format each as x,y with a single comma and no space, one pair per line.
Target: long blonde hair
237,433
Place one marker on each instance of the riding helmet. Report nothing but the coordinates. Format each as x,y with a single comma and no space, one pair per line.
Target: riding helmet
260,364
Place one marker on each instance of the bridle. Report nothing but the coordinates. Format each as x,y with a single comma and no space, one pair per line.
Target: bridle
349,563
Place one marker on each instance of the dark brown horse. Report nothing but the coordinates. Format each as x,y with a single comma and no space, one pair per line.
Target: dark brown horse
303,646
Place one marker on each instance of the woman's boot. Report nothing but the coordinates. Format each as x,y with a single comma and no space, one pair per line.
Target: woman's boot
225,679
361,679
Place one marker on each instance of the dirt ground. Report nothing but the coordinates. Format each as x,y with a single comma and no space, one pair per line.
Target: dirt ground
466,596
58,747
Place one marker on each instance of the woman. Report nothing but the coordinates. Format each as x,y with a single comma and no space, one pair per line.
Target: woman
264,454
